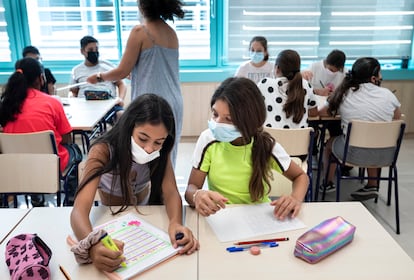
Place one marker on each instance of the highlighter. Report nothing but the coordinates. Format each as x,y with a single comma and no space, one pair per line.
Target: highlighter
110,244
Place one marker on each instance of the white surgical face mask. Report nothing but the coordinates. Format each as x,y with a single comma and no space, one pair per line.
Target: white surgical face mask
223,132
139,155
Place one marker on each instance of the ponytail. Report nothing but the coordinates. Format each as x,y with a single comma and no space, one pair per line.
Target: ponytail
295,97
28,70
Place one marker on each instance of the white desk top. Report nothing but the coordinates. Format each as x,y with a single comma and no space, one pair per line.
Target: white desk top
373,254
85,114
10,217
53,226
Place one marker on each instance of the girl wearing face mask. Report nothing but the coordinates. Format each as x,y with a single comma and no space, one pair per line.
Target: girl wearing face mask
130,165
258,67
236,155
359,97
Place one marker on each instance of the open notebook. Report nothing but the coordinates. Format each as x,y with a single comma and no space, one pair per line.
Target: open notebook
144,244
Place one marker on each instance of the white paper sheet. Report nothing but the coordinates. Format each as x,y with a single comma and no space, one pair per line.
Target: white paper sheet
241,222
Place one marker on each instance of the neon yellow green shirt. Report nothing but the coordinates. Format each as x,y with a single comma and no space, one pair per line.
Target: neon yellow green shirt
229,167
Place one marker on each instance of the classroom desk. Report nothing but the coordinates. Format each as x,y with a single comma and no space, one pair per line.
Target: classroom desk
373,254
53,226
85,115
10,217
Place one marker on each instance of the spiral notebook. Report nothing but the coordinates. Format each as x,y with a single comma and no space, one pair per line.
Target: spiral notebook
144,244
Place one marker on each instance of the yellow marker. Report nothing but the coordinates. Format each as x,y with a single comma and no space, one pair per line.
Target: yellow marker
110,244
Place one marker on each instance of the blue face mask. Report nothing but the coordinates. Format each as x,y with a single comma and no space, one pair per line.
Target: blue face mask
223,132
256,57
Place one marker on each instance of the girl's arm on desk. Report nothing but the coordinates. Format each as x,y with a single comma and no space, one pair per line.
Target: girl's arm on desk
173,205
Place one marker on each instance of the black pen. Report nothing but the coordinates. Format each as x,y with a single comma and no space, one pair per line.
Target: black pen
321,84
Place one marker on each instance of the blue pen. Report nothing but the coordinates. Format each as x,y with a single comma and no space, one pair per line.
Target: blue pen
243,248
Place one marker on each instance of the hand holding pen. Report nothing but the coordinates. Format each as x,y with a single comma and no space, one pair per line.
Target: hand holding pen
183,237
107,259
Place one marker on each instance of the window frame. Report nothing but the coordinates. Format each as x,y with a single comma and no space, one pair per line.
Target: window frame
215,69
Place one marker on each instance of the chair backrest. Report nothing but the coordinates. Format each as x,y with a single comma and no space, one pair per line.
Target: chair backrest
40,173
295,140
42,142
365,134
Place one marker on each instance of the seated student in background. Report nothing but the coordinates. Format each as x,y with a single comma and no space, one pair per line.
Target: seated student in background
360,97
288,97
130,165
49,86
24,108
326,75
236,156
92,65
258,67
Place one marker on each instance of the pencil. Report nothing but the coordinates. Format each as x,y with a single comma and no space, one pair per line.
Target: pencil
64,272
262,241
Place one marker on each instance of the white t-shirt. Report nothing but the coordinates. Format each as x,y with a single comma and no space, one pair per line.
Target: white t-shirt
368,103
81,72
275,93
322,78
256,74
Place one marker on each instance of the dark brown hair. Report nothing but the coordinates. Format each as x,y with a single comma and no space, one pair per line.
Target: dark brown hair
248,113
288,62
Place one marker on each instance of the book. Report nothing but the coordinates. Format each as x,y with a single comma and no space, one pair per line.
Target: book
144,244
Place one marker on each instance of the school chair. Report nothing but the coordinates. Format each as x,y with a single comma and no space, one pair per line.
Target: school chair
385,138
298,143
24,173
42,142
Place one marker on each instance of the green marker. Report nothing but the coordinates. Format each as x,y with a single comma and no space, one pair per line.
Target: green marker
110,244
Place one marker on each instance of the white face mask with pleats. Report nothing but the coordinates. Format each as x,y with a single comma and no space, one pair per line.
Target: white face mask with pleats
139,155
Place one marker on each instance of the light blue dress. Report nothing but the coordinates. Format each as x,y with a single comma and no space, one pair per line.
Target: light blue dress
157,71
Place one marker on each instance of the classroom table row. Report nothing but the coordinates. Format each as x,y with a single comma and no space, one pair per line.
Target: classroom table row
373,254
85,116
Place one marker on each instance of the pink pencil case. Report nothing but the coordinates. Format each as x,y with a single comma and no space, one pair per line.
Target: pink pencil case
324,239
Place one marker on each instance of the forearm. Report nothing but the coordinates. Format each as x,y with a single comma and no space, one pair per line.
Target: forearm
80,223
300,186
173,206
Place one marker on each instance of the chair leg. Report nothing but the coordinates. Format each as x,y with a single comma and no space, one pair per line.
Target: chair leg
390,179
397,207
338,181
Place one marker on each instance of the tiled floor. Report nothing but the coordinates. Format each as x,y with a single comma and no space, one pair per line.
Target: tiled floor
385,215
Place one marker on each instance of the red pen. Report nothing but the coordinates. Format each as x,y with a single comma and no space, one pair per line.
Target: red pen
262,241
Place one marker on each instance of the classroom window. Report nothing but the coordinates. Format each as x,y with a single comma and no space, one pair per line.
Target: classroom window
56,26
5,53
378,28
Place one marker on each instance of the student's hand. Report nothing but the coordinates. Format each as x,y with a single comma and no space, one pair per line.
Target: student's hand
105,259
323,91
209,202
286,206
189,243
92,79
307,75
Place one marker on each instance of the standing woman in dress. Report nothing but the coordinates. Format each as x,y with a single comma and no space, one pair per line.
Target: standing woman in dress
151,57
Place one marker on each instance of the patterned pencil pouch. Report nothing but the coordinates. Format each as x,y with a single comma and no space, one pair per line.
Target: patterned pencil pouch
324,239
27,257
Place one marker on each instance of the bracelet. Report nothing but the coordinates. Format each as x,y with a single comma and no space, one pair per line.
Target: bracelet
99,77
195,194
